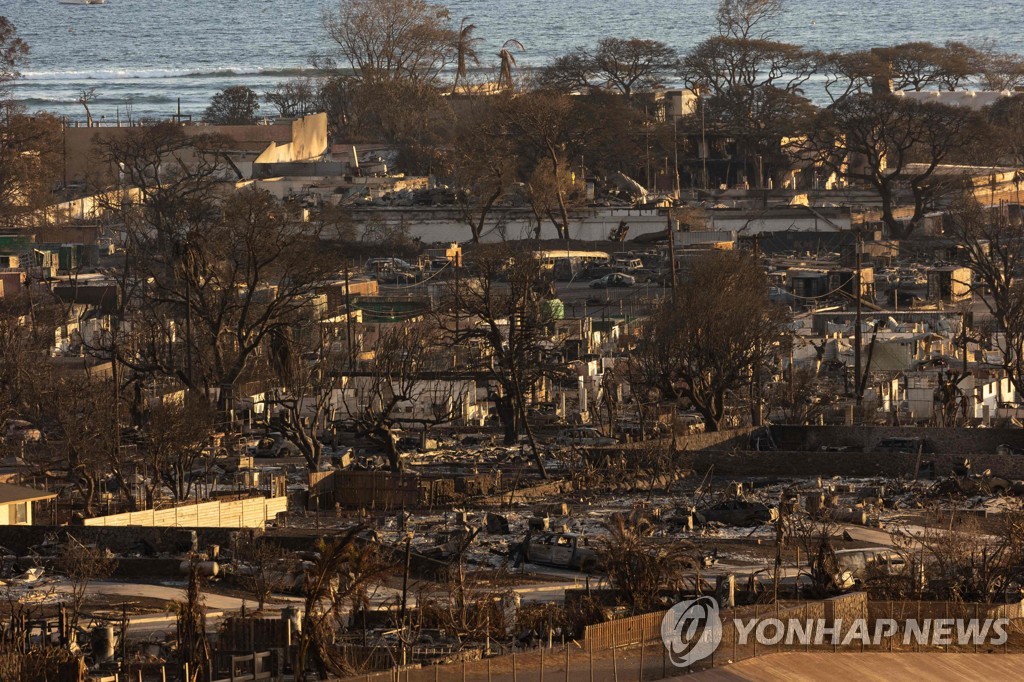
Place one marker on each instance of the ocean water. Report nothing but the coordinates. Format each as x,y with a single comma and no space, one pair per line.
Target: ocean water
143,56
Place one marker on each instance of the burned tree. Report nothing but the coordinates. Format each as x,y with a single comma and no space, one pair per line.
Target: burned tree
707,341
234,105
741,18
505,315
993,247
751,86
393,40
543,124
340,572
171,179
1007,117
174,439
813,536
640,566
623,65
262,568
406,371
484,160
29,165
193,645
892,144
78,415
307,361
29,145
963,561
211,281
294,97
82,565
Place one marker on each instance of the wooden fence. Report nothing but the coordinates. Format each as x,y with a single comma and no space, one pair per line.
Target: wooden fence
253,512
382,490
625,631
255,634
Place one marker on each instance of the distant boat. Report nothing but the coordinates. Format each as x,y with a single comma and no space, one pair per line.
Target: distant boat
83,2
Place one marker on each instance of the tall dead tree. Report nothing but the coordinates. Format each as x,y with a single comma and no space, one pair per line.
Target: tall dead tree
506,314
712,336
407,370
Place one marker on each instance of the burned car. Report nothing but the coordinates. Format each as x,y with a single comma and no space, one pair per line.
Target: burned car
737,513
561,550
856,566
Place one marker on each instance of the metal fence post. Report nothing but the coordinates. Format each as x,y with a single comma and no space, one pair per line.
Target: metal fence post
945,610
892,614
755,631
917,640
615,662
542,663
807,615
976,618
643,645
567,649
1003,610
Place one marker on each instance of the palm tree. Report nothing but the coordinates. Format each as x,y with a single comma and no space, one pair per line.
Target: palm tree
508,60
465,51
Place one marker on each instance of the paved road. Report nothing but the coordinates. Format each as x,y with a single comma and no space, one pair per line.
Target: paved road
788,667
218,604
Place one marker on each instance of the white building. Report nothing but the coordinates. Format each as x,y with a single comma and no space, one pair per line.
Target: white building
16,504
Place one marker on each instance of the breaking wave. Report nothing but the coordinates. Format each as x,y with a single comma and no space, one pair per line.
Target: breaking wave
156,74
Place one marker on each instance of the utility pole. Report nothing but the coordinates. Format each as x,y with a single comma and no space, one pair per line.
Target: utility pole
647,142
963,332
458,292
671,251
188,314
675,146
704,142
405,593
348,322
64,150
856,332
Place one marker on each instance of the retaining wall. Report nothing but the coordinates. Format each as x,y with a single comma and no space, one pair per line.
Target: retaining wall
860,464
938,440
729,439
119,539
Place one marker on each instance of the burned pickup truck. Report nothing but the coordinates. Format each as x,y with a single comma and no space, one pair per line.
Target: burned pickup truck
737,512
571,551
561,550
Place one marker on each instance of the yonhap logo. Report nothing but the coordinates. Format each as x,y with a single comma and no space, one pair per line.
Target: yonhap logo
691,631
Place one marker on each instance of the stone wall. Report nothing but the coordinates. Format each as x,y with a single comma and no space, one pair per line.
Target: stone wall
861,464
730,439
19,539
847,607
938,440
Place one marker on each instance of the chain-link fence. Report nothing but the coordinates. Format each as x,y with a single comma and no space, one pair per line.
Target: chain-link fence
632,649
